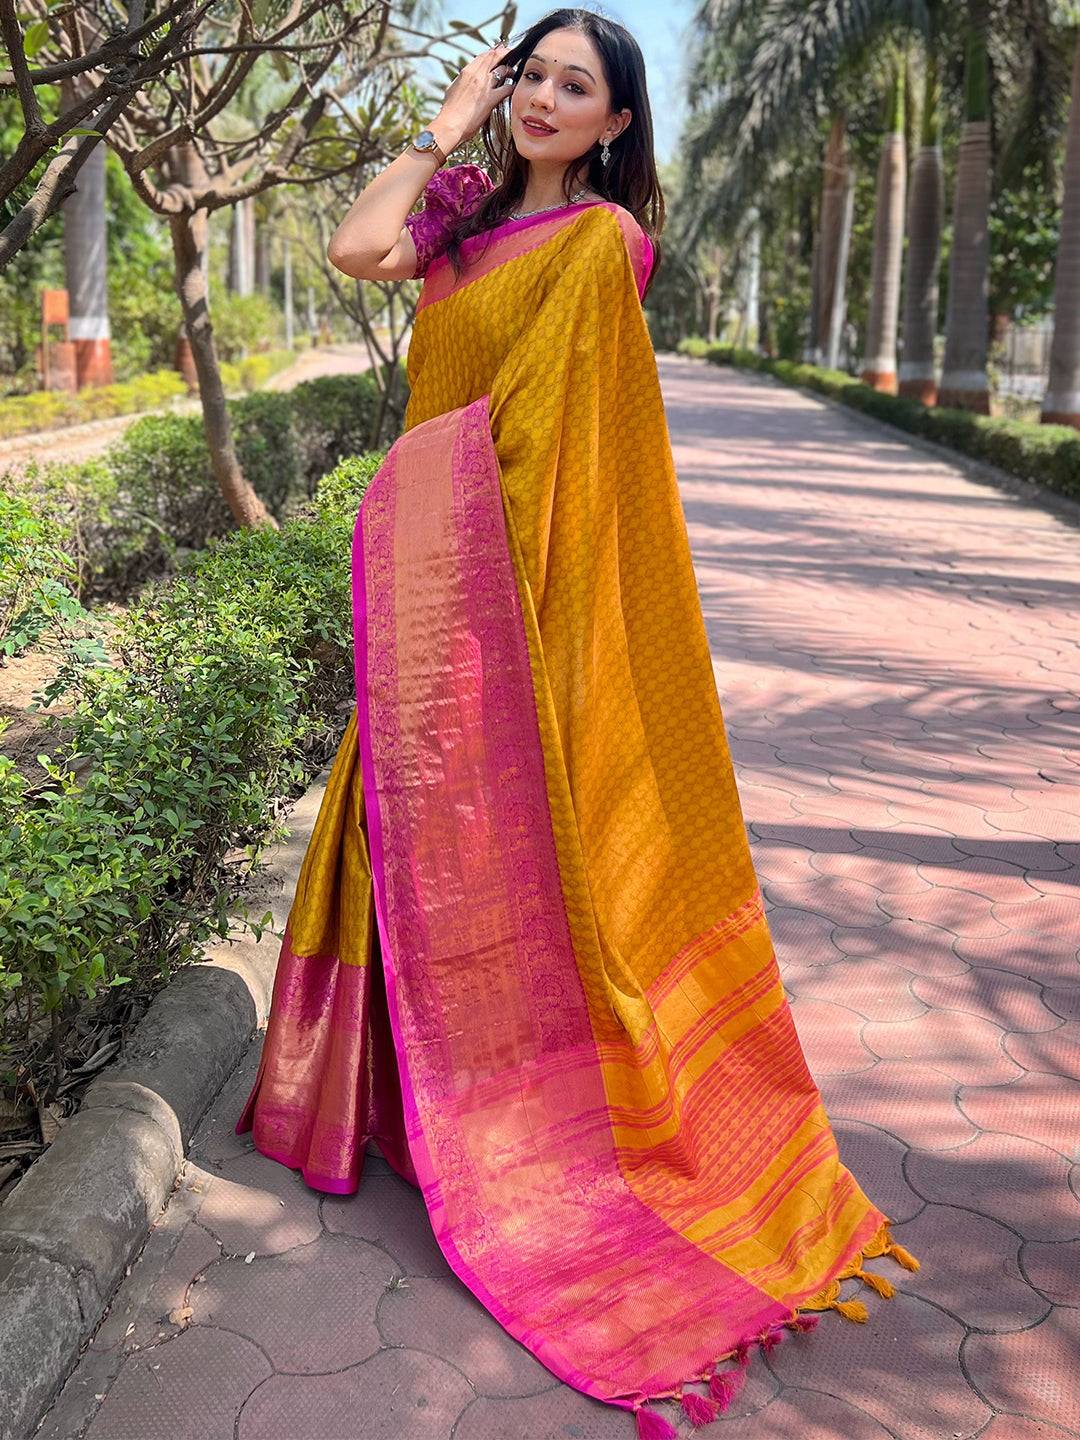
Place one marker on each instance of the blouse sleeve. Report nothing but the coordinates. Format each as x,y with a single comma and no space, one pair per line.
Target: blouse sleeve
453,191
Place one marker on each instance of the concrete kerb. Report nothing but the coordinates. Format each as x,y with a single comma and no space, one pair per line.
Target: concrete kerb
82,1212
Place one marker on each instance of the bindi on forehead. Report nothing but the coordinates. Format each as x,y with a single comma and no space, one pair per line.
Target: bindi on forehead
545,61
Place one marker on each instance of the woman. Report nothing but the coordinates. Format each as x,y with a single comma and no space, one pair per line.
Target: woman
583,1054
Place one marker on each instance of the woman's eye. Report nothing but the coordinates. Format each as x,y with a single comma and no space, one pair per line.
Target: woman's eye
532,75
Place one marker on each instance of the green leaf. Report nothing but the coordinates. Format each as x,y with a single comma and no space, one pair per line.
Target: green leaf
36,36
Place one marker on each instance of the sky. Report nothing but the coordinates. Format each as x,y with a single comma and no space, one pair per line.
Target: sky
657,25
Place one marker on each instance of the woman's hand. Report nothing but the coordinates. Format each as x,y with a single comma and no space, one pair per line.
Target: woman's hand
474,94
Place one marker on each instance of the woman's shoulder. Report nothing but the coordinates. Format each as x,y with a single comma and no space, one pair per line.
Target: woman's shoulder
452,192
455,188
635,238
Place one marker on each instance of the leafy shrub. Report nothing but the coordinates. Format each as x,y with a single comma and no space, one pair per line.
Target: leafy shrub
51,409
333,417
694,345
154,496
253,371
144,314
243,324
38,575
230,687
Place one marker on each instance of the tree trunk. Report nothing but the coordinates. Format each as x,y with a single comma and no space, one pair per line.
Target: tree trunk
250,243
262,260
964,382
834,321
312,319
1061,404
86,265
240,258
879,364
752,283
812,348
189,233
290,321
925,215
834,240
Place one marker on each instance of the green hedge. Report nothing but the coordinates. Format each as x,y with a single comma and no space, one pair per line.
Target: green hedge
55,409
153,496
228,686
1047,454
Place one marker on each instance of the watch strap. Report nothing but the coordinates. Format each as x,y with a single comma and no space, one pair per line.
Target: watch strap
435,149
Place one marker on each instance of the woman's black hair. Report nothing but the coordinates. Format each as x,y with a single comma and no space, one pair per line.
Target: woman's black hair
629,178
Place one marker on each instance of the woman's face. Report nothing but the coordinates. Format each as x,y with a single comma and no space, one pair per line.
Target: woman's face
562,85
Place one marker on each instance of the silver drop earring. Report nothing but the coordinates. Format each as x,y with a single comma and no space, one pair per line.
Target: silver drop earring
605,154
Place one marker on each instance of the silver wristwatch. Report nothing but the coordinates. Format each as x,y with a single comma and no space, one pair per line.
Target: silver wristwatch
426,143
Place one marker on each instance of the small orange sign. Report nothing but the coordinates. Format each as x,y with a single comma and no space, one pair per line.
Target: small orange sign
54,307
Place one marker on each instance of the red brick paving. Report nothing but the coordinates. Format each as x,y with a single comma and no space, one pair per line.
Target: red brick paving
897,648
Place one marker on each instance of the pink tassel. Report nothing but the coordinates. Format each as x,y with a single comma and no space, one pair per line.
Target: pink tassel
725,1386
769,1339
698,1410
742,1352
805,1323
651,1426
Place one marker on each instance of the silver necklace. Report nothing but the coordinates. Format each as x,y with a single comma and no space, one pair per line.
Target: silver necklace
521,214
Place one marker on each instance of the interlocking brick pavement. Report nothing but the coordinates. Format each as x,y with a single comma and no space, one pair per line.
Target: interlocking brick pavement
897,648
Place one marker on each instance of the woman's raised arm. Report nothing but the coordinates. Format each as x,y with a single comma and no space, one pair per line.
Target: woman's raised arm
372,243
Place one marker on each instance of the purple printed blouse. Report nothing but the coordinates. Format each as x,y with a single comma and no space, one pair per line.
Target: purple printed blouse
453,191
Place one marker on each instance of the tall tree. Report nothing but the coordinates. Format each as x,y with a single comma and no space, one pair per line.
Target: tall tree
879,365
834,244
1061,404
918,377
964,382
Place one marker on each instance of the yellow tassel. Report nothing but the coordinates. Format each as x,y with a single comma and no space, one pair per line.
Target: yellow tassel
879,1283
879,1245
851,1310
824,1297
902,1257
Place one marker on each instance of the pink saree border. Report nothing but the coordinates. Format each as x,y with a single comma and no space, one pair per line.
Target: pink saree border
421,1157
483,252
492,591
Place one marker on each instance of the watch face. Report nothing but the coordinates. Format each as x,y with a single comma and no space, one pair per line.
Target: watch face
425,140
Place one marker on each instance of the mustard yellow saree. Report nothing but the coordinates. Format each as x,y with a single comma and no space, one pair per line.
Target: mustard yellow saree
528,950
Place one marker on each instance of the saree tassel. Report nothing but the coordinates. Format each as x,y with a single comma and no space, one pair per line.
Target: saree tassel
769,1339
851,1310
651,1426
902,1257
742,1352
697,1409
879,1283
804,1323
724,1387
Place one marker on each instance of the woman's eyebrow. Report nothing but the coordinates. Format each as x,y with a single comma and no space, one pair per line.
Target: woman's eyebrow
591,76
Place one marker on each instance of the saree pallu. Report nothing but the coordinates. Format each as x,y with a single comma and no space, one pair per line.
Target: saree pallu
528,950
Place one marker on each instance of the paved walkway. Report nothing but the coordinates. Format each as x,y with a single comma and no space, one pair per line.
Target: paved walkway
897,653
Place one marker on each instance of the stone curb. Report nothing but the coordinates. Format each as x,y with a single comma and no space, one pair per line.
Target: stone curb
82,1212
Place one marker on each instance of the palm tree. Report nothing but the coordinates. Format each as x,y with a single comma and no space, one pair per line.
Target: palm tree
925,213
879,366
1061,404
797,58
964,381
